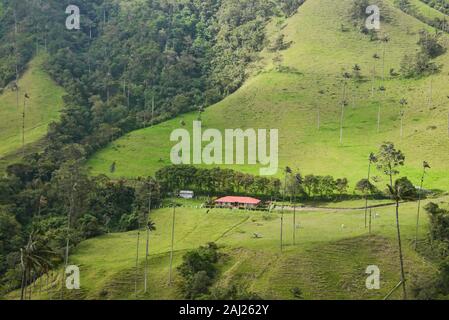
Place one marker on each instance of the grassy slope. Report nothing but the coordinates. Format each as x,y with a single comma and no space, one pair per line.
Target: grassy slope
42,108
328,261
289,102
426,10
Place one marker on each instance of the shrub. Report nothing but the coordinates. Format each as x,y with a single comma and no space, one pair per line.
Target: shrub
198,271
129,222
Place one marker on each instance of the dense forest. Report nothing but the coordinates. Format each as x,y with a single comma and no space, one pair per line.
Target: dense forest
131,65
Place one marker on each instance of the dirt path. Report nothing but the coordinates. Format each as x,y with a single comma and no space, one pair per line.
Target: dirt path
308,208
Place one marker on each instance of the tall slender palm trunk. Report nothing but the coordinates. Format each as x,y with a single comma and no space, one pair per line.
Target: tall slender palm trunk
342,112
147,244
136,276
282,211
366,196
378,118
294,223
152,111
24,278
172,245
383,60
23,128
419,209
401,258
16,57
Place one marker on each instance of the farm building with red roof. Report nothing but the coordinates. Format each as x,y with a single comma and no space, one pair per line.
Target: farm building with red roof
238,202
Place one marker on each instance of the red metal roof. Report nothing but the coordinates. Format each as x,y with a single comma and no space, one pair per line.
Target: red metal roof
244,200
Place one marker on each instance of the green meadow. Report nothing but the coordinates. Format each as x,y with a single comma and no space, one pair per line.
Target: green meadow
332,251
41,109
309,86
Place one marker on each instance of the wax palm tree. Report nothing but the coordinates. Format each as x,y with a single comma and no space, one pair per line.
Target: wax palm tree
403,102
298,182
287,171
375,57
344,103
389,159
136,277
34,259
385,39
432,68
172,243
70,215
200,111
371,160
26,97
150,226
425,166
379,111
447,120
16,57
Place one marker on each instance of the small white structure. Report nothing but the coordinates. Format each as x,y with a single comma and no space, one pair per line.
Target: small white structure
186,194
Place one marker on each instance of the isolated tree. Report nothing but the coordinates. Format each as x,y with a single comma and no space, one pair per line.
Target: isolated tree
34,259
16,57
375,57
318,113
356,72
344,103
425,167
74,186
136,278
371,160
150,185
152,110
385,39
200,112
172,243
287,171
113,167
447,120
379,111
298,180
150,227
403,102
431,69
26,97
389,160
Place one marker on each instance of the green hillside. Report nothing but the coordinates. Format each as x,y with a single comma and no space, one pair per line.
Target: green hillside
426,10
42,108
329,260
310,80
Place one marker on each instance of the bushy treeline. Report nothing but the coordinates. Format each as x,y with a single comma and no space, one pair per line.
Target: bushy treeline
436,286
216,181
219,181
440,24
440,5
69,205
